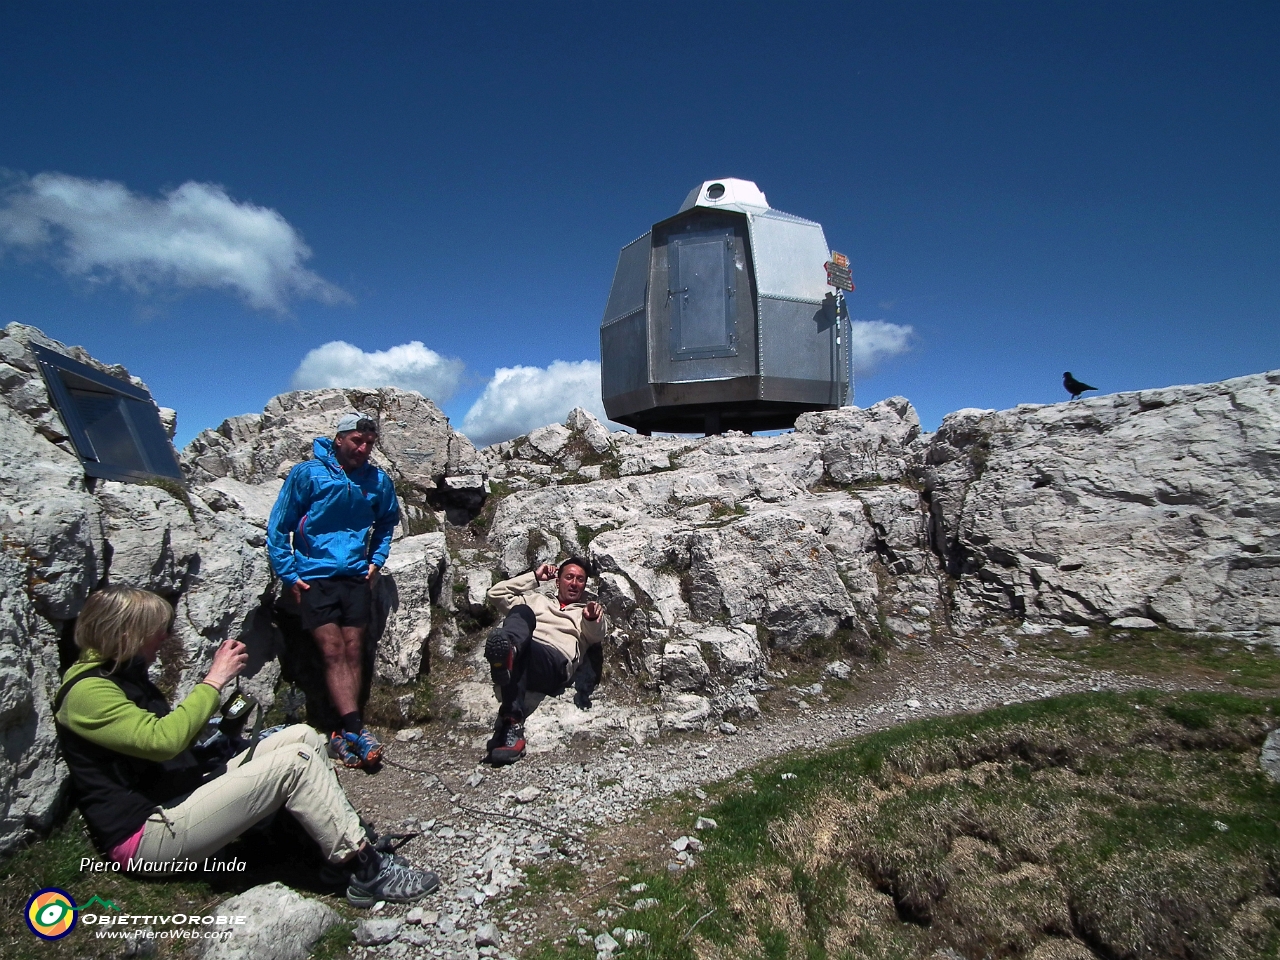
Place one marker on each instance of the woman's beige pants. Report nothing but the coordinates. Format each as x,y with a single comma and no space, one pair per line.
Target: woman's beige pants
290,769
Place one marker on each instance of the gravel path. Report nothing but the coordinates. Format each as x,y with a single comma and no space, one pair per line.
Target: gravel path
579,805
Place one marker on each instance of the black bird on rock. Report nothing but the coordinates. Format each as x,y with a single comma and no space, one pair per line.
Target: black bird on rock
1074,386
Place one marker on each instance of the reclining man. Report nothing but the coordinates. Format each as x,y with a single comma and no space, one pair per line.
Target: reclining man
542,645
340,511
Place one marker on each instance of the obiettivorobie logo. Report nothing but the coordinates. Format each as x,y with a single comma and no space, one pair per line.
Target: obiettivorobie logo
51,912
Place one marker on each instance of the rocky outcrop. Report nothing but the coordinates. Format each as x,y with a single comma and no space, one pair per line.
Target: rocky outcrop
62,536
1162,504
1151,509
434,467
716,555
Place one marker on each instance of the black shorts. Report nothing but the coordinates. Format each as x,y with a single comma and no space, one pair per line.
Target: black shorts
341,600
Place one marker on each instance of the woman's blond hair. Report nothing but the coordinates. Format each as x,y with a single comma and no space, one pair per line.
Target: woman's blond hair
117,620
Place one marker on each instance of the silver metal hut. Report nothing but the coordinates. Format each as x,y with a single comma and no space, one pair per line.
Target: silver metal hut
721,318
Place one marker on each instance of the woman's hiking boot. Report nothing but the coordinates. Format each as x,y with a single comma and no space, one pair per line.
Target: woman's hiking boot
388,877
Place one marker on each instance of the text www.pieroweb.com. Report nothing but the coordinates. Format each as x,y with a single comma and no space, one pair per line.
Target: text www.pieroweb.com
178,934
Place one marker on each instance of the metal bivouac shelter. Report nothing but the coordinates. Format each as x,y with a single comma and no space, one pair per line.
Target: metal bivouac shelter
721,318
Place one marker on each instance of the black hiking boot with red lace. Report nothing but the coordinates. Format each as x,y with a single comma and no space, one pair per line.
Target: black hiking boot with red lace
507,744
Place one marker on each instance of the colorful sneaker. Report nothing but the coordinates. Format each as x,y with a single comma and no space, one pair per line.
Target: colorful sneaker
365,746
507,745
395,882
340,750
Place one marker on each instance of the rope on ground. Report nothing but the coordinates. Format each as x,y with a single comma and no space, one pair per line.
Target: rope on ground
495,815
695,923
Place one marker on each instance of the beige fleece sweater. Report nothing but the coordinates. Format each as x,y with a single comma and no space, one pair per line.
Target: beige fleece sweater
565,629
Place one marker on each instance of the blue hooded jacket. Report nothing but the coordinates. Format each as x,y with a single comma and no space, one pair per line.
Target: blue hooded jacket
340,522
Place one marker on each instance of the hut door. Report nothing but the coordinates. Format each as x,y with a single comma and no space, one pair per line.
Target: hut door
701,294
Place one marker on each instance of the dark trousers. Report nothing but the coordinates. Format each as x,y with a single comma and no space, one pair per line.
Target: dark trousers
538,666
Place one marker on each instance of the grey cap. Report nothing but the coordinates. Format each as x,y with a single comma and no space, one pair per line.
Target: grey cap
355,421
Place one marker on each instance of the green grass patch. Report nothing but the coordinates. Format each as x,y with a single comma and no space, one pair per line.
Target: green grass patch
1168,653
55,862
335,944
419,515
541,881
402,705
1113,825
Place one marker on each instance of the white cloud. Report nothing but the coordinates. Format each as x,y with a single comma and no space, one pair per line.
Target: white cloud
520,399
193,236
876,340
410,366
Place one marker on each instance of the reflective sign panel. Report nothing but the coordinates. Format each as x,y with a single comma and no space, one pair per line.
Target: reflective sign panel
114,425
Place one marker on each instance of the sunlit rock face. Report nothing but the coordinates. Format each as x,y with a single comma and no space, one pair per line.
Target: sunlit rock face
63,536
1162,504
415,442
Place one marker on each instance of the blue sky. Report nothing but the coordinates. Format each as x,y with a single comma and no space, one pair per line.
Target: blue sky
1030,188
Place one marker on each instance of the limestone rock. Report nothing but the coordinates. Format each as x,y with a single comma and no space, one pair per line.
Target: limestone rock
31,774
1156,508
1270,757
63,536
860,446
1160,504
735,651
595,433
415,441
488,935
686,711
404,595
280,925
169,420
838,670
372,933
1134,623
683,667
549,440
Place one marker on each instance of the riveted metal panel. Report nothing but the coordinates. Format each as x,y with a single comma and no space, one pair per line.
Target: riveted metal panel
668,365
702,292
799,339
789,254
624,356
734,326
630,280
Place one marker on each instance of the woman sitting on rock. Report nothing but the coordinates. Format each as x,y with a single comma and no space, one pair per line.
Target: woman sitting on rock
148,799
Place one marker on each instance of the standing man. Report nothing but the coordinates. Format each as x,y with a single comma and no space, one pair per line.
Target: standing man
340,510
540,645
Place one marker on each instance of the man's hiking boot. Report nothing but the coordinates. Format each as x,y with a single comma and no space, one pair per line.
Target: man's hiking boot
340,749
365,746
507,745
395,882
501,654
